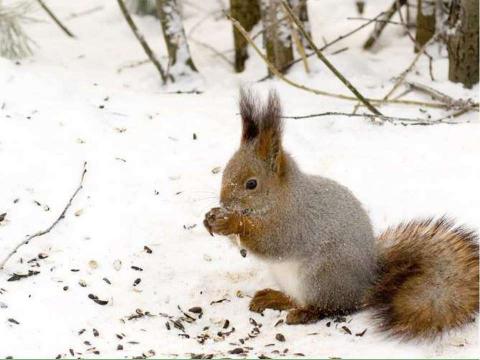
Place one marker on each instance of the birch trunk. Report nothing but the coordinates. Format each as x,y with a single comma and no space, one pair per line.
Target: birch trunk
180,60
247,12
462,42
276,34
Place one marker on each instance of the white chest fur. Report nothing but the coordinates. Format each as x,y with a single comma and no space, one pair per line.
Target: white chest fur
286,274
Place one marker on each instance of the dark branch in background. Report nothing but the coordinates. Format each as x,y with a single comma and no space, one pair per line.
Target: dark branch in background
55,19
328,63
47,230
142,40
397,4
327,45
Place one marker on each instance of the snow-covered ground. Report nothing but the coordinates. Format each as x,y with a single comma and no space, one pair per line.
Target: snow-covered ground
152,159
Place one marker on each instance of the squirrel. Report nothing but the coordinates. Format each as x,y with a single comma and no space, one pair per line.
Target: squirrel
420,278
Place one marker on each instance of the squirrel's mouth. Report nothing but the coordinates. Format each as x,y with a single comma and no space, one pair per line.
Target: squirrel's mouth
247,211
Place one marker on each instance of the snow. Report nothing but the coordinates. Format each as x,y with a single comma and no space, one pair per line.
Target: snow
149,183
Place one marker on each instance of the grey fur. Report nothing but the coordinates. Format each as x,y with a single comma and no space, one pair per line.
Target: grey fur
312,221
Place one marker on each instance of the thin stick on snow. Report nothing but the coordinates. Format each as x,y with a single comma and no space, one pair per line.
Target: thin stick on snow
47,230
391,119
404,74
282,77
55,19
332,68
379,26
142,40
444,98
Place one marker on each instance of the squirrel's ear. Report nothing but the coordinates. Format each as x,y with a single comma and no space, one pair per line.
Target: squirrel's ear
250,113
269,146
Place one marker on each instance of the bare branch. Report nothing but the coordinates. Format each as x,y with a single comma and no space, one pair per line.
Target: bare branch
47,230
404,74
332,68
392,119
282,77
379,26
55,19
142,40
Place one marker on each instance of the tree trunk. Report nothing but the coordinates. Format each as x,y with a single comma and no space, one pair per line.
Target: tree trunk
247,12
425,22
276,34
462,43
179,58
143,7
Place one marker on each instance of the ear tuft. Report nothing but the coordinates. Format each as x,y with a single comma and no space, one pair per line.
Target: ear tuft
272,115
250,112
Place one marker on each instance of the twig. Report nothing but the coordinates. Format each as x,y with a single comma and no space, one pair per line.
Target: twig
391,119
379,26
142,40
326,45
444,98
404,74
133,64
55,19
47,230
327,62
85,12
282,77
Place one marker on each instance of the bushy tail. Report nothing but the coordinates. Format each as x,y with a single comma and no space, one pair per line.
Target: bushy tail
428,278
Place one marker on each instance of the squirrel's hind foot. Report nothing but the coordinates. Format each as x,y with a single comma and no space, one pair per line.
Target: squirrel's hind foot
304,315
270,299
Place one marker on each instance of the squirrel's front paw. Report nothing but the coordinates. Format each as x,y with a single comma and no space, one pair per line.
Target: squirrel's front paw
219,221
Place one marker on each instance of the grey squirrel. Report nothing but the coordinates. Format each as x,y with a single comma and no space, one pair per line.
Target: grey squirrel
420,278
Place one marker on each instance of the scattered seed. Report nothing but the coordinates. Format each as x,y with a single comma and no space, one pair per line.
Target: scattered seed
167,325
16,277
93,264
42,256
147,249
219,301
361,333
74,270
261,356
299,354
81,332
120,347
347,330
280,337
117,265
279,322
13,321
243,252
95,332
226,324
2,216
216,170
196,310
82,283
236,351
97,300
71,352
194,136
137,281
65,288
328,324
107,281
136,268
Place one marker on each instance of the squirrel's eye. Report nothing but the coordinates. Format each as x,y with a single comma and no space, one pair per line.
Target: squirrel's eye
251,184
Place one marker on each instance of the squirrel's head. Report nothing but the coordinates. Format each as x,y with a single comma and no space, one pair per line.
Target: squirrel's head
254,177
